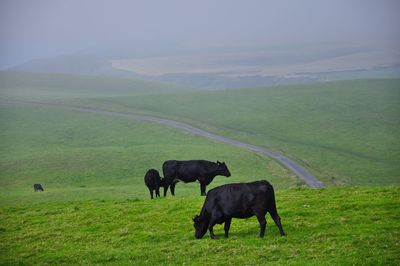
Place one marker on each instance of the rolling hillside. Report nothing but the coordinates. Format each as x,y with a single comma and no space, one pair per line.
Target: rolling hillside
81,156
346,132
96,210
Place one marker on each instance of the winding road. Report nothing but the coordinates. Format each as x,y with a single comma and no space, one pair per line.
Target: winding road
298,170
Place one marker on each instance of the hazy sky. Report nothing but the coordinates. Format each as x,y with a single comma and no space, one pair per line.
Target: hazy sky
43,28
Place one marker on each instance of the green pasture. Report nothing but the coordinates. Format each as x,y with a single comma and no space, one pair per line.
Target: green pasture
84,156
335,226
96,209
345,132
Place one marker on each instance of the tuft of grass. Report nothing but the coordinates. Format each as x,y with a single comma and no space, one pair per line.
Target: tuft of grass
331,226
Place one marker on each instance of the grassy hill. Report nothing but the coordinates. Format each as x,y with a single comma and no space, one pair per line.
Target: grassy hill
44,86
96,210
346,132
84,156
335,226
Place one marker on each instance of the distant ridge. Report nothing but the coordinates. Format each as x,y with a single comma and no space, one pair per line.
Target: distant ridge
48,86
74,65
231,69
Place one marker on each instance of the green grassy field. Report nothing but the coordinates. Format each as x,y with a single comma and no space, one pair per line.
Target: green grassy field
91,156
96,209
345,132
335,226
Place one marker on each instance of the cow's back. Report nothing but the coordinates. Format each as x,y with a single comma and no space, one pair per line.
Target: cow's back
187,171
239,199
190,171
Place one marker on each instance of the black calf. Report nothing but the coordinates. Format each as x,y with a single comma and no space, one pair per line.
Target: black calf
153,181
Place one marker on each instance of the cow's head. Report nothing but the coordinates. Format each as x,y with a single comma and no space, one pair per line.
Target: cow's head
223,169
200,226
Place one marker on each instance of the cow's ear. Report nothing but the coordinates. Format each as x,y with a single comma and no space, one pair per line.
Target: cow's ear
218,162
196,218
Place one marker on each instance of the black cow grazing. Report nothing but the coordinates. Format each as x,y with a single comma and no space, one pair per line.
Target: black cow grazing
190,171
240,200
38,187
153,181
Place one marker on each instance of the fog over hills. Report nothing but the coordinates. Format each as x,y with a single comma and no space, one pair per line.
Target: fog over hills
233,67
205,44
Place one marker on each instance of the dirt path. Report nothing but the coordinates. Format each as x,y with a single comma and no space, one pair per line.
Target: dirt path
298,170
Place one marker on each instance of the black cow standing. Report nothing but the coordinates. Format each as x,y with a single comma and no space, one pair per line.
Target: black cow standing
153,181
190,171
241,200
38,187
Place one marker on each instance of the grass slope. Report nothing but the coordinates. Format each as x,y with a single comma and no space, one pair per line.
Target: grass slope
44,86
84,156
95,207
345,132
346,226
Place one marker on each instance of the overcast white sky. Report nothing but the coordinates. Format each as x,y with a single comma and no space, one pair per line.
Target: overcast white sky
44,28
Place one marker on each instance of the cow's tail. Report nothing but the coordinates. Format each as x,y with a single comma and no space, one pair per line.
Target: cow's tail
272,203
169,172
272,209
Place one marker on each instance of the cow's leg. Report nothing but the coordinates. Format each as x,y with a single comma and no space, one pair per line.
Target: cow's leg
157,192
211,229
227,225
151,193
215,216
277,220
166,185
202,189
173,188
263,223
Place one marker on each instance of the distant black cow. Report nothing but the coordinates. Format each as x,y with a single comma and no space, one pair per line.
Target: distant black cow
190,171
153,181
38,187
241,200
